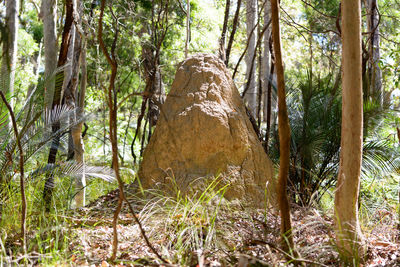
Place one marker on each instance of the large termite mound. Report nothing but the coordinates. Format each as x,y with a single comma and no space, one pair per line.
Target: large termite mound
204,131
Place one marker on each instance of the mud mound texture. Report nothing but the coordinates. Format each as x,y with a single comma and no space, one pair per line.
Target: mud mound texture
203,131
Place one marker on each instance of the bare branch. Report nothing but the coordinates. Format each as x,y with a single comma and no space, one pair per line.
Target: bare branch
21,169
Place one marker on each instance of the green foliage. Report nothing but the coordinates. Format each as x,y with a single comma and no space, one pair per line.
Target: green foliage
321,15
192,222
146,4
36,135
31,23
314,108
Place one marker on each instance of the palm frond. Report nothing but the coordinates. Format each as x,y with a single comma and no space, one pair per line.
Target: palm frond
379,159
74,169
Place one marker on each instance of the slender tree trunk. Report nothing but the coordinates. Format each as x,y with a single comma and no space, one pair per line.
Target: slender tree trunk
233,32
222,53
398,195
62,59
32,88
266,62
76,130
36,69
349,238
9,53
260,84
187,28
111,93
251,20
271,80
112,106
284,134
70,99
49,15
375,73
67,88
154,93
68,71
79,148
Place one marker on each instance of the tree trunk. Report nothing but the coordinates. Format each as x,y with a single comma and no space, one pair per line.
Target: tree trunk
32,88
251,20
62,59
234,28
349,238
76,131
9,53
284,134
266,63
49,15
222,53
72,99
68,71
187,28
375,73
268,100
67,88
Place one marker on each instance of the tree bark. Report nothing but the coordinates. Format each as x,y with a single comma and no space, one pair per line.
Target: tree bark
73,100
187,28
49,15
266,63
222,53
269,100
68,88
375,73
76,131
9,53
62,59
349,238
251,20
284,134
234,28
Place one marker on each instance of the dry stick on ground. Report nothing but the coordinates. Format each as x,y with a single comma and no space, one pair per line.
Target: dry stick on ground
284,134
234,28
112,105
296,260
21,169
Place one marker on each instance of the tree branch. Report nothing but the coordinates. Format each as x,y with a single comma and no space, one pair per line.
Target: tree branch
21,169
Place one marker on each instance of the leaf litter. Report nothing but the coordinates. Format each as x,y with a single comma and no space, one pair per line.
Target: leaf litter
238,236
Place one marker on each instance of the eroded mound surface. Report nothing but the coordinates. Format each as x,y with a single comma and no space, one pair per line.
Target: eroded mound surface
203,131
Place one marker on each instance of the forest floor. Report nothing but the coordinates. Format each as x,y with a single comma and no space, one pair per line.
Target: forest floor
208,233
204,230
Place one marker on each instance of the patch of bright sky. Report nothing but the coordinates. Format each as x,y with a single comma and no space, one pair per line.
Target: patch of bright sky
206,26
